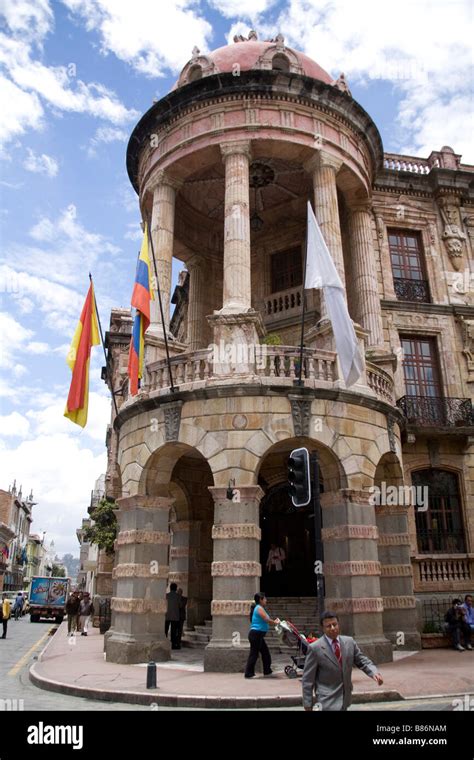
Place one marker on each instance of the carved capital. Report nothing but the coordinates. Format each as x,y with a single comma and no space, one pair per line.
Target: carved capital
321,159
394,539
132,570
355,606
355,567
138,606
179,551
397,571
399,602
127,537
347,532
162,177
236,147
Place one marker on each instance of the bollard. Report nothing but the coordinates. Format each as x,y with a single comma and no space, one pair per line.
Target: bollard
151,675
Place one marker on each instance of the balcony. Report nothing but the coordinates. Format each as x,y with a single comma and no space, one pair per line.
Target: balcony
446,574
411,290
287,303
436,411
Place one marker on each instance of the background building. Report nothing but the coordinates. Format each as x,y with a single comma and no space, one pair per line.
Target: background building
16,515
224,167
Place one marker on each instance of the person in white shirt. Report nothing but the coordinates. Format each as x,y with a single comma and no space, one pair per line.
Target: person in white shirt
276,558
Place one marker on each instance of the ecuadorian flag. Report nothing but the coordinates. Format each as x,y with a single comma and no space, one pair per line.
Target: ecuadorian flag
78,358
141,297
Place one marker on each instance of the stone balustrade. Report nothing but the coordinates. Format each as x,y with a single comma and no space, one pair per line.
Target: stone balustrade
284,303
409,164
443,573
274,363
380,381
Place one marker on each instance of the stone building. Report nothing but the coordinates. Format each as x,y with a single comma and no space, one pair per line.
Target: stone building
15,520
223,167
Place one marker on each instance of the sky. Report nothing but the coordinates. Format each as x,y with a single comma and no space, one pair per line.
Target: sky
75,77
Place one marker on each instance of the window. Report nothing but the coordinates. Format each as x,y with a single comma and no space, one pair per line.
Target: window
420,366
439,529
286,270
195,73
280,63
409,275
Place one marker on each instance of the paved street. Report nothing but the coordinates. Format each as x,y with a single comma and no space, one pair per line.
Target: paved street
24,641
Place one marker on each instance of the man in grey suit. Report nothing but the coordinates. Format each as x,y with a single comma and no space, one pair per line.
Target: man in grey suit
328,668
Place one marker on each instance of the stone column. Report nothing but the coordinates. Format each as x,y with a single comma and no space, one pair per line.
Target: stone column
323,168
236,573
164,190
396,582
352,569
237,288
140,577
197,325
364,282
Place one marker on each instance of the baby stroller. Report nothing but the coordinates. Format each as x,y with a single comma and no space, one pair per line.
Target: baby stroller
289,635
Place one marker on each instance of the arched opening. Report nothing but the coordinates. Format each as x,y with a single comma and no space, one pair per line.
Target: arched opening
439,528
280,63
195,73
289,529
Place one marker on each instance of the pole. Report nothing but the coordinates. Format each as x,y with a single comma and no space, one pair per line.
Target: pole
161,304
318,541
300,382
103,346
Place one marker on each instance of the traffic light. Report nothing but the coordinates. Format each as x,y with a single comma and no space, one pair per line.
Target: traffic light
299,477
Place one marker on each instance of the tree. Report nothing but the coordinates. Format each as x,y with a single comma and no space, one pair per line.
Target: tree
104,531
58,571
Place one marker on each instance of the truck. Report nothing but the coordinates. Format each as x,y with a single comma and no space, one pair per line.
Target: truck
48,597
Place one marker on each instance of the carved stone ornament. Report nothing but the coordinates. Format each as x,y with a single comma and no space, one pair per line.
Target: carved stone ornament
341,84
453,236
391,433
467,332
172,420
301,414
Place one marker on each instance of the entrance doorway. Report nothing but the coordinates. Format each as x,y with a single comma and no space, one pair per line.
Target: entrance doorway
292,530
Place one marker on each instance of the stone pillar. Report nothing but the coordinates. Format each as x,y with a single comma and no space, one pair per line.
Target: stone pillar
179,554
103,589
364,282
197,325
236,573
352,570
237,281
323,168
164,190
396,582
140,576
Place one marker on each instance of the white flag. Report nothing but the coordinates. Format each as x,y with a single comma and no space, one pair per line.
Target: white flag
321,273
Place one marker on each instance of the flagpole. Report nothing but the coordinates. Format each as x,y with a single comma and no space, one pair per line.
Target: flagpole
300,382
103,346
161,304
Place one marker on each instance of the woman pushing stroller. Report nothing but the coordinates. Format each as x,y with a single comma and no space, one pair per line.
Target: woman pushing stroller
260,625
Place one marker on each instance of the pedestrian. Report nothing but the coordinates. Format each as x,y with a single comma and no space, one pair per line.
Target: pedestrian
18,605
72,612
469,609
183,600
456,618
260,622
6,610
328,668
80,596
276,558
173,615
86,610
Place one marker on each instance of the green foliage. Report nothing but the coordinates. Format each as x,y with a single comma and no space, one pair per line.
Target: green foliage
104,531
58,571
432,627
272,339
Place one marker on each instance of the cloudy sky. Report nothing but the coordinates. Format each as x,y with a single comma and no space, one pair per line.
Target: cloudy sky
75,76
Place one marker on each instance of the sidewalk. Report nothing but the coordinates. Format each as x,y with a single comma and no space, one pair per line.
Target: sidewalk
80,670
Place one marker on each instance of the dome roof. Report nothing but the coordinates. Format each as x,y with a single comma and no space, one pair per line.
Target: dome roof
250,53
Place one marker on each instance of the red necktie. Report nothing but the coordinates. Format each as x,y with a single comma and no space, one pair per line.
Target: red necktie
337,651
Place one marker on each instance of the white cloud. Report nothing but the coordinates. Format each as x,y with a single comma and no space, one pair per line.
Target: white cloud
242,8
134,231
42,164
14,424
61,469
50,419
36,347
424,51
27,84
105,135
151,37
14,338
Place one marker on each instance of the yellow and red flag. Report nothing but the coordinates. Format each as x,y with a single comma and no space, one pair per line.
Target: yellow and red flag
78,358
141,297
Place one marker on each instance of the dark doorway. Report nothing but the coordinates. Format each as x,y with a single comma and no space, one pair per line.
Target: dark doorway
292,530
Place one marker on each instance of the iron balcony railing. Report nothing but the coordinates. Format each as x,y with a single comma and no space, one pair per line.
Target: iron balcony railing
436,411
441,541
411,290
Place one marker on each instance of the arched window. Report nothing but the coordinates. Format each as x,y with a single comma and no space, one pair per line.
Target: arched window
439,528
195,73
280,63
